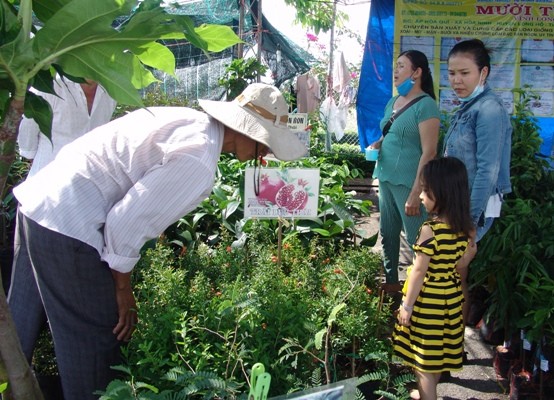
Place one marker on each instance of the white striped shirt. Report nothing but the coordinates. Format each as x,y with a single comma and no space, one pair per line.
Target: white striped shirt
125,182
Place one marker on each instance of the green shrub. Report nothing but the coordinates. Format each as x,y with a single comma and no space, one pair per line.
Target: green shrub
221,309
516,257
335,223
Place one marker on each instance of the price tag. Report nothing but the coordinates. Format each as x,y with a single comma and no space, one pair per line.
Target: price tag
526,345
544,364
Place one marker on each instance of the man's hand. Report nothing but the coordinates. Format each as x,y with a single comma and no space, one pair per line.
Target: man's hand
127,306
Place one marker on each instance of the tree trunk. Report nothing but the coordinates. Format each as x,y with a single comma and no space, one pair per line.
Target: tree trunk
22,382
8,140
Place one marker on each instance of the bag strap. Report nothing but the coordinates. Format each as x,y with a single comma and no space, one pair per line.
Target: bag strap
398,113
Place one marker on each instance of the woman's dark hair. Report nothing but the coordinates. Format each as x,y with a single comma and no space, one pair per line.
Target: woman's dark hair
445,181
419,60
477,49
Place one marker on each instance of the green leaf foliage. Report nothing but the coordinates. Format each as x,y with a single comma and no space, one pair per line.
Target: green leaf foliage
333,316
79,37
39,109
217,37
222,309
239,74
43,81
317,14
45,9
9,24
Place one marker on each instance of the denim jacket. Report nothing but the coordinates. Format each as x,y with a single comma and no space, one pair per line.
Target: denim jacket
480,134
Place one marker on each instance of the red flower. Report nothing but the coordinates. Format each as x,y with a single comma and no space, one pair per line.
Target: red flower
311,37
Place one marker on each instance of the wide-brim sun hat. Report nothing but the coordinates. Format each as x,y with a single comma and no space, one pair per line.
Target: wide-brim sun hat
261,113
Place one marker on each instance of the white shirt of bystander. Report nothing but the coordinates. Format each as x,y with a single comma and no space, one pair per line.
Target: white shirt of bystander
71,119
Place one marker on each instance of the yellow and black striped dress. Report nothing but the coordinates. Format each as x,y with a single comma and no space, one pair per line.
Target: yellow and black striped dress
434,341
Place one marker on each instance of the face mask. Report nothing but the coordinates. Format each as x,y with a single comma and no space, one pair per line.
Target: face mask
405,87
476,92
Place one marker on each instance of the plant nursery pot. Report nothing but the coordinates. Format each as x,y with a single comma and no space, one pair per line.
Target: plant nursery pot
490,334
502,361
521,384
50,386
477,305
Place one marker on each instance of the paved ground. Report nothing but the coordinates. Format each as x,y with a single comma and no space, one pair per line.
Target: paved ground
477,380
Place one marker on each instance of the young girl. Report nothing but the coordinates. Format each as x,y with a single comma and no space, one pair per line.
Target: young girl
430,331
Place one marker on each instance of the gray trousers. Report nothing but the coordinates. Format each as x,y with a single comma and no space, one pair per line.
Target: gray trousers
63,280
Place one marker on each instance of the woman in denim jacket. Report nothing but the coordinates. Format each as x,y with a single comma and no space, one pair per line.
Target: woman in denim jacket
480,134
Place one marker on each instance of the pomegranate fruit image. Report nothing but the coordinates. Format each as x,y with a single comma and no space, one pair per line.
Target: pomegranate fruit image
292,196
268,189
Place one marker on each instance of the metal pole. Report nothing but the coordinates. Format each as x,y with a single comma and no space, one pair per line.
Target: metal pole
330,70
240,47
331,51
260,28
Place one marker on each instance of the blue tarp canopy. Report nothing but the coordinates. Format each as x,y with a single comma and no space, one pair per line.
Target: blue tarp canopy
375,88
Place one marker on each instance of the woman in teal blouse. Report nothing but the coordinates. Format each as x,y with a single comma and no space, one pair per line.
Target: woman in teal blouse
409,144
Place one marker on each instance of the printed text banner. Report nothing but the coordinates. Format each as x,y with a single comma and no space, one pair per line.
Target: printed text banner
475,18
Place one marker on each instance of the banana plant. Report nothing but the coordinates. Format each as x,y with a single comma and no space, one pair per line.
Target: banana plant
78,39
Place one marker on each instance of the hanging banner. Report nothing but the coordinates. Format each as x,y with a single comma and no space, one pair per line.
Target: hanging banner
285,193
522,18
519,33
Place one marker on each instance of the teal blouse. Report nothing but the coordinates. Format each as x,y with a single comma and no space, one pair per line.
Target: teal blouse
401,148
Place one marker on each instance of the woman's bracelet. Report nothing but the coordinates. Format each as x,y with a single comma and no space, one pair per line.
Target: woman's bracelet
407,307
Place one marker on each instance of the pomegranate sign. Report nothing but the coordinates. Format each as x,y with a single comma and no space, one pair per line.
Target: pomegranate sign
285,193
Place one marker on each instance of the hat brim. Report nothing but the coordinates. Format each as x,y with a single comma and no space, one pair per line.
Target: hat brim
282,142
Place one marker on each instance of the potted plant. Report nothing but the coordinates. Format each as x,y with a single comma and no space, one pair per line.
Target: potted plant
515,261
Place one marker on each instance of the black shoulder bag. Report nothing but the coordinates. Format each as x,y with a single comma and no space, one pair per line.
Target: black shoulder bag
397,114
